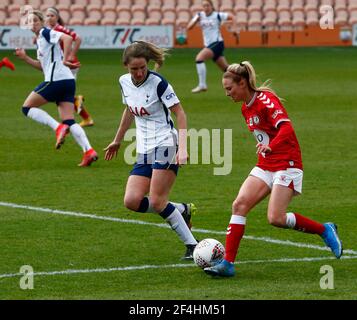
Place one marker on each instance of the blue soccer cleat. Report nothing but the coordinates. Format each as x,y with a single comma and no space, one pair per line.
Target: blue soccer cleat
223,269
332,240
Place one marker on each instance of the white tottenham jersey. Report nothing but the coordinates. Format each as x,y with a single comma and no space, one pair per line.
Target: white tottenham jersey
211,26
150,103
49,53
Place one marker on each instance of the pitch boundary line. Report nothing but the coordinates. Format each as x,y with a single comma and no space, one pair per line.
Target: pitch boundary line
167,266
166,226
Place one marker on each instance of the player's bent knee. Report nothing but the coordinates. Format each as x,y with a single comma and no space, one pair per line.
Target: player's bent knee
275,220
241,206
25,110
158,203
132,203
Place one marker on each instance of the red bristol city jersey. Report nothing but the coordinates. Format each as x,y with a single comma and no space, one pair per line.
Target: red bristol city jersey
74,36
263,115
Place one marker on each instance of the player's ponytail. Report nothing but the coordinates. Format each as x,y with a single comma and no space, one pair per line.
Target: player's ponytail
245,70
147,50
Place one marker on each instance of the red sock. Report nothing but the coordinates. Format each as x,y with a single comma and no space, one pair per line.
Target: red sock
234,235
307,225
84,114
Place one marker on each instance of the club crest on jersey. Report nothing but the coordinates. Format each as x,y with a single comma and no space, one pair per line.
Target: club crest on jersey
139,111
254,121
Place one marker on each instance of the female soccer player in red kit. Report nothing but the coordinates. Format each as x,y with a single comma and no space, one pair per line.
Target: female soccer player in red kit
278,171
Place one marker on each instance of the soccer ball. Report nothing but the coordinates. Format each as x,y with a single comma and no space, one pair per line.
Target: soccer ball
208,252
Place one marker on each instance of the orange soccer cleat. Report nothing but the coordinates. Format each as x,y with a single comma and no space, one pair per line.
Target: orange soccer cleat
61,132
88,157
5,62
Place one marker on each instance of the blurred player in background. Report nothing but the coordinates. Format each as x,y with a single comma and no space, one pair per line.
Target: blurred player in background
150,99
278,172
210,22
59,85
54,21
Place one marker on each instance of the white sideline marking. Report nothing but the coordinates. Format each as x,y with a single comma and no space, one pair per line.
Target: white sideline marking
166,226
167,266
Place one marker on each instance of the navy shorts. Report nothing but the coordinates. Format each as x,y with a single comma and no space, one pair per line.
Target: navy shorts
217,48
162,158
57,91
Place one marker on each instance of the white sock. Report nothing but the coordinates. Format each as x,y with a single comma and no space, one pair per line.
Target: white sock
178,224
42,117
80,136
290,220
201,71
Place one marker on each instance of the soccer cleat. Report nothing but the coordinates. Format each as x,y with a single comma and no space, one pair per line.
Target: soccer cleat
190,209
87,122
189,252
88,157
199,89
222,269
61,132
5,62
332,240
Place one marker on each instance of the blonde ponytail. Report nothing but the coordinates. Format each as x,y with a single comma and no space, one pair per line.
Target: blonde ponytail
245,70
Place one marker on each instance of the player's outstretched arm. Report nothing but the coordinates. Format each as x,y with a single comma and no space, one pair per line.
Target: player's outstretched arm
234,29
21,54
193,22
111,150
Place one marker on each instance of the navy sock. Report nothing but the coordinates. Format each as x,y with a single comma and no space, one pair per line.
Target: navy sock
25,110
170,208
144,205
69,122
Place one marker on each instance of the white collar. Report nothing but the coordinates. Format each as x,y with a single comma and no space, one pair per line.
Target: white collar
253,99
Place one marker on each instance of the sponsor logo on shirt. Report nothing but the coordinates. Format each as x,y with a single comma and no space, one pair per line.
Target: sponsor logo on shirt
170,96
139,111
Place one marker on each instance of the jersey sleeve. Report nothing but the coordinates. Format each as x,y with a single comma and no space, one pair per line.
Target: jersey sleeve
275,111
51,36
166,94
62,29
222,16
122,93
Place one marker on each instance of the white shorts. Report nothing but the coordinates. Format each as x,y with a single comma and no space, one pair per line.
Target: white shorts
290,177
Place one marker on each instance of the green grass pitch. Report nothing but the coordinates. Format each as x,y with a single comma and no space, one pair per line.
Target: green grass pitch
80,257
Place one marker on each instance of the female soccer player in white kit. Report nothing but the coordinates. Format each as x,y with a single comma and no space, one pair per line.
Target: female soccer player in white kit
210,22
55,22
278,173
150,99
59,86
